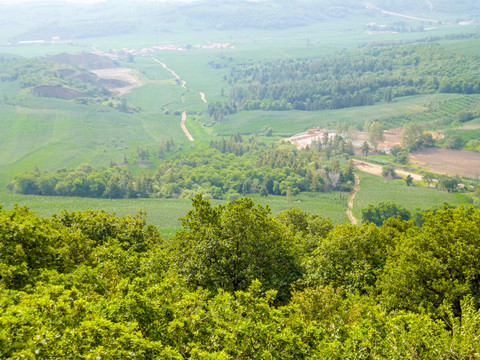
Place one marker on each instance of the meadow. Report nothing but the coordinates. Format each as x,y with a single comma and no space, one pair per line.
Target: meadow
165,213
287,123
375,189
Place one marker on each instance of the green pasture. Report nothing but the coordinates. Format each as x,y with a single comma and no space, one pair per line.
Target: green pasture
164,213
64,134
193,67
286,123
375,189
156,98
468,47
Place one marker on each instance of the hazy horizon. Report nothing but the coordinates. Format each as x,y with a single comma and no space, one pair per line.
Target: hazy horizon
13,2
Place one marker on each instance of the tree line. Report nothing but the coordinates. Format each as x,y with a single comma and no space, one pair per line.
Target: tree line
237,282
228,169
355,78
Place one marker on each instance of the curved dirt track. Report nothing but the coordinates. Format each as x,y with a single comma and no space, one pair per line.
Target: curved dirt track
183,84
184,128
352,218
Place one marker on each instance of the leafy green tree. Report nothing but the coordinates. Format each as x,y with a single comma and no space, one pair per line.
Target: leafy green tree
450,184
348,257
436,265
465,116
388,172
365,148
229,247
395,150
309,229
383,211
30,244
428,177
411,133
402,158
375,134
409,180
454,142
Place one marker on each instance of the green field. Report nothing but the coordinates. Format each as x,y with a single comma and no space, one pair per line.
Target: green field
286,123
165,213
375,189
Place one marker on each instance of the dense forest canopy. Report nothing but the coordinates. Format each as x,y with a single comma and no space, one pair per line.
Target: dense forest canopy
353,78
238,283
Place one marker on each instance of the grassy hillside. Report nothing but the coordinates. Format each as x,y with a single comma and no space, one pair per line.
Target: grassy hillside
375,189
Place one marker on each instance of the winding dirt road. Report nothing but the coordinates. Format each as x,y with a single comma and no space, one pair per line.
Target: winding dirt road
184,128
183,84
352,218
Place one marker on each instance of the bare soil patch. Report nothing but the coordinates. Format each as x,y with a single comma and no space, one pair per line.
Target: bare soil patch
120,80
392,137
449,162
375,169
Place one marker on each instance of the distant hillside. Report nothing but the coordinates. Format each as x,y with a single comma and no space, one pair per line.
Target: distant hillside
86,60
73,22
471,7
63,79
231,15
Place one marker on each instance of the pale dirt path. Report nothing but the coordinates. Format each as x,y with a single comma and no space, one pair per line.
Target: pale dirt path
184,128
377,169
175,75
371,6
183,83
356,188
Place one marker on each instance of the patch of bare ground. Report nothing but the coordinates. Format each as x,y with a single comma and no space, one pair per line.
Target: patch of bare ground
449,162
377,169
119,77
392,137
